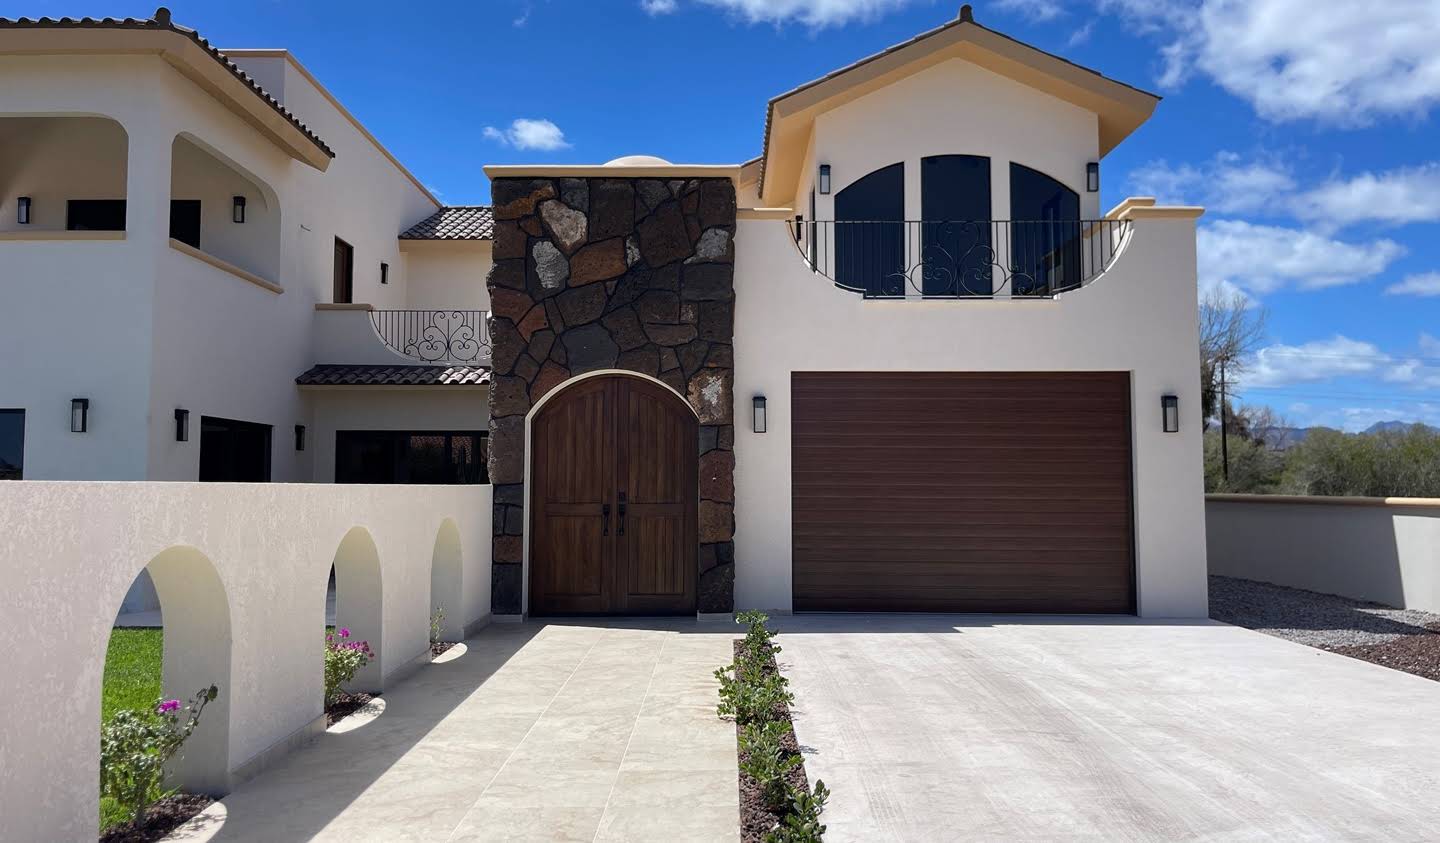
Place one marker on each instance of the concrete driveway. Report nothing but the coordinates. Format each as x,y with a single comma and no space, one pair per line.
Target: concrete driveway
1005,728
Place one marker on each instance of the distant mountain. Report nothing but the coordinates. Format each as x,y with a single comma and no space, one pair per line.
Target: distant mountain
1381,427
1281,438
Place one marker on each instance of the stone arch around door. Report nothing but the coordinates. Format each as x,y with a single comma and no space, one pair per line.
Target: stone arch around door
601,274
613,499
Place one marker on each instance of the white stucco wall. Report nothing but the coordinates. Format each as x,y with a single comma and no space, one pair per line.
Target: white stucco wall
441,275
53,159
69,552
141,329
391,408
1384,550
1140,318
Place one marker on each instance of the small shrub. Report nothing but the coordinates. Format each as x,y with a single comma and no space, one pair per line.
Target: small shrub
136,745
435,620
751,695
767,761
759,642
802,823
343,658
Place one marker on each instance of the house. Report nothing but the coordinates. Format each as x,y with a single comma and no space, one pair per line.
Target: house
901,361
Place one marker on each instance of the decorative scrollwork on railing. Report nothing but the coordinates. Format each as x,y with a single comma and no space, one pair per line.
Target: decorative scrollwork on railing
961,259
455,337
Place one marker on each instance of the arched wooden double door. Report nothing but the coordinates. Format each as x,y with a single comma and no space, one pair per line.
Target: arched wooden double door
614,500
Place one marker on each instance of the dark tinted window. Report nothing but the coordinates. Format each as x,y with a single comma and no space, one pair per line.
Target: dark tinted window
234,451
401,456
1045,236
185,221
870,233
12,444
956,232
95,215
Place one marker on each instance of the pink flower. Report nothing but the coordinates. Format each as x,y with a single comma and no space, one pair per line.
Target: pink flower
167,706
344,632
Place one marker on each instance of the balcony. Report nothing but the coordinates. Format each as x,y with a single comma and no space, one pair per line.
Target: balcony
958,259
359,334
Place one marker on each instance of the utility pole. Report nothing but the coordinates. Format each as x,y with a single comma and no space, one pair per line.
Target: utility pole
1224,429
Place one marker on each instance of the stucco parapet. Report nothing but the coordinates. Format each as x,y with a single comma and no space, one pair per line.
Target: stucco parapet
71,236
225,266
320,305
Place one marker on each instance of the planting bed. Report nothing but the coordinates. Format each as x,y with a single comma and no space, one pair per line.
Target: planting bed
440,647
346,705
755,819
163,817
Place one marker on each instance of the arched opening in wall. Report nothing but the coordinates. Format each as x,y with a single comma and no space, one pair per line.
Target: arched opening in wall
174,651
447,611
870,233
1046,237
353,645
220,209
62,173
956,228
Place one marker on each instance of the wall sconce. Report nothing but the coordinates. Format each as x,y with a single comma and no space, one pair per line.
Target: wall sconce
237,211
79,415
1170,413
757,421
299,437
824,179
384,273
182,425
1092,177
22,210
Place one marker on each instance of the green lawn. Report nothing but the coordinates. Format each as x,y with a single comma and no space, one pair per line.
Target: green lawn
132,680
132,671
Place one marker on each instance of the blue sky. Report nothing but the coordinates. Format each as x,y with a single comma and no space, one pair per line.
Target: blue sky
1307,129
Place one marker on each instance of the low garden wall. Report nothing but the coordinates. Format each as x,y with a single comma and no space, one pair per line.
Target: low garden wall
242,572
1381,549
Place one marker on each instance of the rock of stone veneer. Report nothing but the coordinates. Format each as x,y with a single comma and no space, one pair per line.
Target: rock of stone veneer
575,193
717,321
568,227
551,375
669,334
598,262
507,449
515,198
658,306
717,476
715,245
645,360
717,203
509,241
652,193
710,395
707,282
540,344
551,267
624,328
579,305
716,590
612,208
663,236
588,348
533,321
510,304
509,396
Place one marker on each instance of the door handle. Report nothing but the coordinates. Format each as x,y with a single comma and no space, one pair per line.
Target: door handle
605,520
621,526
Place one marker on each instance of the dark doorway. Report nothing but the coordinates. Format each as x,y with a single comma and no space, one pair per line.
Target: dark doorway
405,456
185,221
956,236
95,215
614,501
344,272
12,444
870,233
234,451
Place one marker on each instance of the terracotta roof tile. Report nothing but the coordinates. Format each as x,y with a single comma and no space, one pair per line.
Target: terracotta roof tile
456,222
330,374
162,21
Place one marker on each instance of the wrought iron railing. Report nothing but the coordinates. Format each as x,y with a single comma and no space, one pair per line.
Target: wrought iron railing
961,259
454,337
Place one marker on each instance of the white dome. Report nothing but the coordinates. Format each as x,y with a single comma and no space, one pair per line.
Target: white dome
638,161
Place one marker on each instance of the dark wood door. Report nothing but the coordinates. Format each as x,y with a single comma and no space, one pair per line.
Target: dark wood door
344,292
960,492
614,501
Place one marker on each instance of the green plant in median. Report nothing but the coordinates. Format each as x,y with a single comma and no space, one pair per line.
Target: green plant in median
749,694
759,641
767,761
802,823
135,746
343,658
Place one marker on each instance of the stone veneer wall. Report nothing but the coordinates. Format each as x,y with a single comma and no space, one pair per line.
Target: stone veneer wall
613,273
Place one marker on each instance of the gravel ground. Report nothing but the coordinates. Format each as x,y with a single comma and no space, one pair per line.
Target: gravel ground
1320,620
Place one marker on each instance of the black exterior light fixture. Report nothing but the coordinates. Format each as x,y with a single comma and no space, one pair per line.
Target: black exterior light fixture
79,415
1092,177
1170,413
237,210
825,179
299,437
182,425
757,421
22,210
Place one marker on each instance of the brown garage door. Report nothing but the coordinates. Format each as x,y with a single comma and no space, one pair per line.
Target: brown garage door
961,492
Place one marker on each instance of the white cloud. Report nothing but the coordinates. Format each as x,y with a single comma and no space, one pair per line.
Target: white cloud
816,14
1339,356
1340,63
525,133
1429,345
658,7
1265,258
1426,284
1226,183
1405,195
1037,10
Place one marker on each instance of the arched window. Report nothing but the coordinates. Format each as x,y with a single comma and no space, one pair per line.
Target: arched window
870,233
1045,235
955,232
